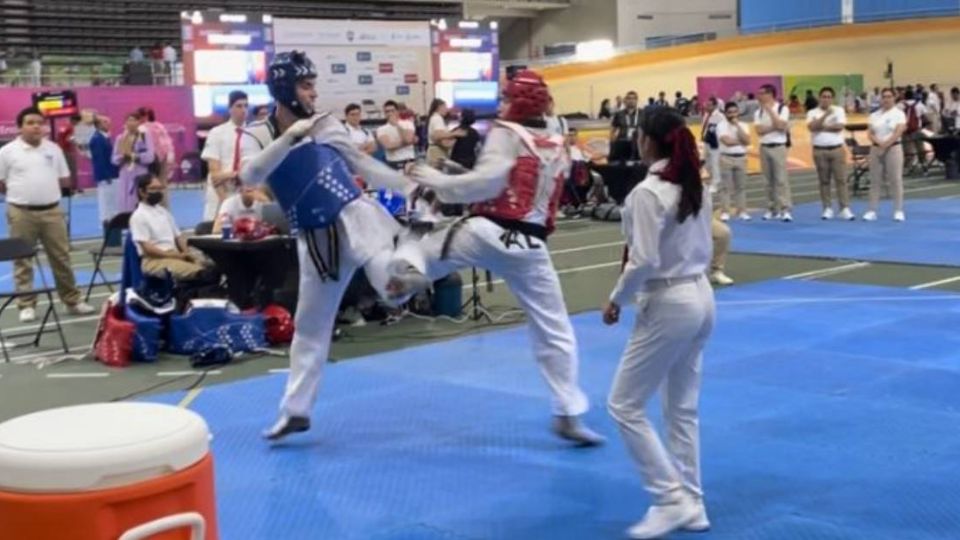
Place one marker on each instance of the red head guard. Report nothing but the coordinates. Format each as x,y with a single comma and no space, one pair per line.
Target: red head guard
528,96
249,228
279,324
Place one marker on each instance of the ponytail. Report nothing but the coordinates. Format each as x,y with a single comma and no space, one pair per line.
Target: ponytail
675,142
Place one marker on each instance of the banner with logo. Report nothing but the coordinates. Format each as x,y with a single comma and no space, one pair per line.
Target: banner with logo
847,87
726,87
364,61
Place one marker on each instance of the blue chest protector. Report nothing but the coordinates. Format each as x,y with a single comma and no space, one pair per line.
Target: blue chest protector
312,185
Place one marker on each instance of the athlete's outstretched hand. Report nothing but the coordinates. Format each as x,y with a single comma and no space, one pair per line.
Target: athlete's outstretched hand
302,128
423,174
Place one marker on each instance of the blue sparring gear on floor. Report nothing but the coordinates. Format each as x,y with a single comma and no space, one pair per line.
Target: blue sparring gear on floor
208,324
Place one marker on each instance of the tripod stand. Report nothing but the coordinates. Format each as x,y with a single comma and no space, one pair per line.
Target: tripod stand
478,310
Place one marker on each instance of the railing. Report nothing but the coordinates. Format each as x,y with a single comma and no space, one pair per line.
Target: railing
797,24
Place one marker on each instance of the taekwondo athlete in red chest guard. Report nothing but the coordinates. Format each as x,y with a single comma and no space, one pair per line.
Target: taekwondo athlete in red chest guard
310,164
513,191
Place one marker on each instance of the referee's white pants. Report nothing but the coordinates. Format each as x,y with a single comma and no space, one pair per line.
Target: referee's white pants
211,202
365,240
713,165
107,199
665,352
526,268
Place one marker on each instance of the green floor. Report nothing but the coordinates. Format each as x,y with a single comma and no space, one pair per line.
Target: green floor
585,253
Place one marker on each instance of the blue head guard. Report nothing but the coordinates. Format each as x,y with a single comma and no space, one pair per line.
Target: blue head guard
286,70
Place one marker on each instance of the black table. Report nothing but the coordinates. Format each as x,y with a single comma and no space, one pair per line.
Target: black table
255,270
946,149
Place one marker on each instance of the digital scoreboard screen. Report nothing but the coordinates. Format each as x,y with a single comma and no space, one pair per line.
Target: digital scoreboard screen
56,104
466,64
226,48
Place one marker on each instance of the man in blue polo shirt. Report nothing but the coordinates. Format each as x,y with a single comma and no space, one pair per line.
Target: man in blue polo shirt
104,171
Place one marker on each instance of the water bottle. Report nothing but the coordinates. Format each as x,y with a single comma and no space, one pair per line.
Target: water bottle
227,228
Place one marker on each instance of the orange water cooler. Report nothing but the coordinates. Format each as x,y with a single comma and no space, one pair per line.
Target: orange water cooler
109,471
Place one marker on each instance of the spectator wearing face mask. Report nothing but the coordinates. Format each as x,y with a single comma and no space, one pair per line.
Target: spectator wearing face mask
161,245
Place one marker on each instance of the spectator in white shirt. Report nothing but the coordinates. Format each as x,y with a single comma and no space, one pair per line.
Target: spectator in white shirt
934,108
887,127
733,138
915,111
712,116
666,221
248,203
32,171
772,122
874,99
555,124
397,137
222,154
159,242
361,138
826,124
441,137
136,55
952,109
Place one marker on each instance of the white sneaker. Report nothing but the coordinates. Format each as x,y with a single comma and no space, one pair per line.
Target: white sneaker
899,216
701,523
724,217
827,213
80,308
662,519
719,278
744,217
769,215
786,217
847,215
28,314
870,216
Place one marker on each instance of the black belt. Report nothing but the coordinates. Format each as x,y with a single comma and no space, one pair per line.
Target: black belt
773,145
35,207
733,155
834,147
528,229
511,226
892,145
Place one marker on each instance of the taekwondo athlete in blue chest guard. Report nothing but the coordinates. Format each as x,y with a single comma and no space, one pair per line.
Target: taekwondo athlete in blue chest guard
310,163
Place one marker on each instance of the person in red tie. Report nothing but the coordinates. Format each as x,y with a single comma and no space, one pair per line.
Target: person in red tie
222,154
514,190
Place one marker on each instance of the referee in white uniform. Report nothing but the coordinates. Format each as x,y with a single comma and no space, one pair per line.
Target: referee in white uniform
666,221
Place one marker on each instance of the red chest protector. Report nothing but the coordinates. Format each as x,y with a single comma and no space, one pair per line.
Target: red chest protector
535,183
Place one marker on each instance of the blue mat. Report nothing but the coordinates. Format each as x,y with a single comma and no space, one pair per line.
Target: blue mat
186,205
829,411
929,236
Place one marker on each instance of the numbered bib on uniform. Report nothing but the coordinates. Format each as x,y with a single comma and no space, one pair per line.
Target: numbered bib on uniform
312,185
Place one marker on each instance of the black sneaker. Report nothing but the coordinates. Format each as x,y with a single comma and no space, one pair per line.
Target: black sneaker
287,425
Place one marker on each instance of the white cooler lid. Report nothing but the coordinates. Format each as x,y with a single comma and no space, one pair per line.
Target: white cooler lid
90,447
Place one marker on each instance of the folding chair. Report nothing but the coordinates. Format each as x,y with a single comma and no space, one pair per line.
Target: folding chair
16,249
111,247
860,153
203,228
